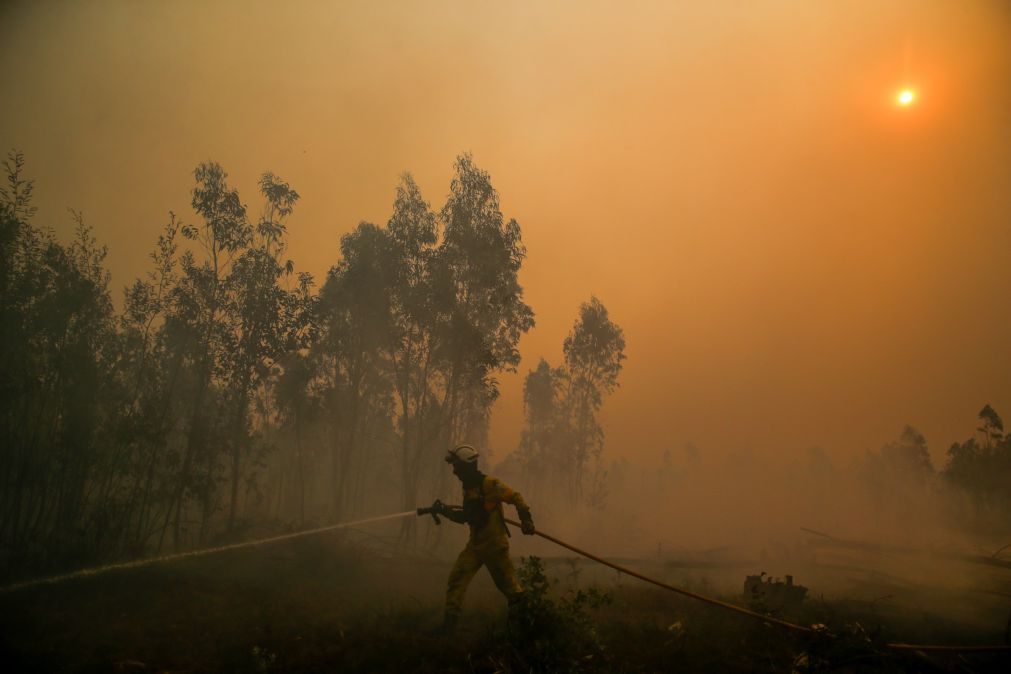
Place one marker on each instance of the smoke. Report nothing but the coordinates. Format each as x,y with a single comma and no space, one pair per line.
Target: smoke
856,527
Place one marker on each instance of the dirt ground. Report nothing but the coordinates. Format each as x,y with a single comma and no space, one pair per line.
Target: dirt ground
340,604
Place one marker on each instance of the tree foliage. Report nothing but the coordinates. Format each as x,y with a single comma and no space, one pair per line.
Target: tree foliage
563,440
229,392
981,467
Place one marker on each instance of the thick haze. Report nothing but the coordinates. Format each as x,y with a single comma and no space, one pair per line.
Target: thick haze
794,259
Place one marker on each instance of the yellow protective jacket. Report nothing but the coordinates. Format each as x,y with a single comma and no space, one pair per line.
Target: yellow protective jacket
482,506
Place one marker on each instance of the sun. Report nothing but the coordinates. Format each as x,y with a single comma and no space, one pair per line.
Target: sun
906,97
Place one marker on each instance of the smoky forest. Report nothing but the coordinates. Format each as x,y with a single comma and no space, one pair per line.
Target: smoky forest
227,397
522,337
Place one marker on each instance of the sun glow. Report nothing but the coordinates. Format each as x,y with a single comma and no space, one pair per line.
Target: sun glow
906,97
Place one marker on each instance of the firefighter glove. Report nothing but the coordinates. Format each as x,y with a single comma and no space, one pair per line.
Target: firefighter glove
526,522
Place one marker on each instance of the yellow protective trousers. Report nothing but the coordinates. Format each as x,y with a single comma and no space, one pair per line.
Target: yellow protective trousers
492,552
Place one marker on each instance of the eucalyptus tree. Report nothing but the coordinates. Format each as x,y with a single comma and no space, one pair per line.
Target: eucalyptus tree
22,276
908,457
352,379
459,314
57,342
593,353
412,339
430,318
256,309
478,295
137,477
79,320
297,410
991,426
546,427
16,212
982,468
198,329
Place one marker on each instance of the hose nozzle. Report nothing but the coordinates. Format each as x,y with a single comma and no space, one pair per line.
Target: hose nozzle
436,509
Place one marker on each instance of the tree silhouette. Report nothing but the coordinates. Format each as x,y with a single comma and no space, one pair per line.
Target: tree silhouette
563,435
992,426
982,470
354,314
594,351
256,308
546,431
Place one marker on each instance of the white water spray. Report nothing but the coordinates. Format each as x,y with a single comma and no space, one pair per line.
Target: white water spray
94,571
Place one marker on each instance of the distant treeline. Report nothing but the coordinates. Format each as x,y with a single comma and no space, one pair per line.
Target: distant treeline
974,485
230,394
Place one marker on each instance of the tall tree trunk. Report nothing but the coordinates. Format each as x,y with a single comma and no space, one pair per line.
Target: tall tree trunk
301,467
238,444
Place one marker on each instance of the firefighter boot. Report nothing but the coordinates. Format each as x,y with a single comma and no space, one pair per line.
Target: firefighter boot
448,627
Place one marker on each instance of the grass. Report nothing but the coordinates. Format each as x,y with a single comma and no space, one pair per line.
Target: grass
317,605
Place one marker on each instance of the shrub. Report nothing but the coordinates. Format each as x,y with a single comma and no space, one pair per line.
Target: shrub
553,633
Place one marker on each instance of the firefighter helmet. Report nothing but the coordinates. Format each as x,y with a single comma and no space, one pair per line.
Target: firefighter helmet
462,453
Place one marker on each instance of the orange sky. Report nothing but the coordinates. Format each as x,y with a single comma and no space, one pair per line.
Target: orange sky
794,259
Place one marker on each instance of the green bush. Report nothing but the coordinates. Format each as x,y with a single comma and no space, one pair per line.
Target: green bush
557,633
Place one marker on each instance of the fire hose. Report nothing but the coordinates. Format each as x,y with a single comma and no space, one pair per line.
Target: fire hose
672,588
754,614
434,511
439,507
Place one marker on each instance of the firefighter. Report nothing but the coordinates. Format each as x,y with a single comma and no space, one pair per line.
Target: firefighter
488,544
